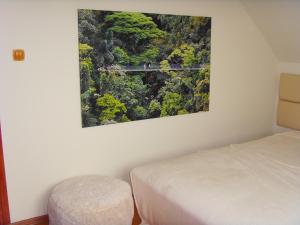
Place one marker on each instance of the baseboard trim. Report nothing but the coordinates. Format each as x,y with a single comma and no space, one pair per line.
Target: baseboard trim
34,221
44,220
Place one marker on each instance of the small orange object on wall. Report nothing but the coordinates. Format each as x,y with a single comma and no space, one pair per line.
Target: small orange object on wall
18,54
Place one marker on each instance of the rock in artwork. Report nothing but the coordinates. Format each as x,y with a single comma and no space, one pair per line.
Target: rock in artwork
136,66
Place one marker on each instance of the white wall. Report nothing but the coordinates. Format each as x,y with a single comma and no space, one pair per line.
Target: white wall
278,21
287,67
40,100
284,67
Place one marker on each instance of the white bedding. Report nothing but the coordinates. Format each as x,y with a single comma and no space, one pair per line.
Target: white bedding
255,183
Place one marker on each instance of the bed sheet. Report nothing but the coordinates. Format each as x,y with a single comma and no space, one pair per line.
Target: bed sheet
255,183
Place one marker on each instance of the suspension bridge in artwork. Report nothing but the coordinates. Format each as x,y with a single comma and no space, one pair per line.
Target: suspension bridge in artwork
148,68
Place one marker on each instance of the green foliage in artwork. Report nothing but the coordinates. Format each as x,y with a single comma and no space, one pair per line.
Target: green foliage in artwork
87,25
165,67
129,90
201,102
134,25
124,118
203,56
154,108
84,50
86,67
202,85
88,119
111,109
182,112
147,56
171,104
85,97
139,112
121,55
184,55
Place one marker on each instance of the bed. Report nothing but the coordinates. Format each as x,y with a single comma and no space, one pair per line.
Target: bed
254,183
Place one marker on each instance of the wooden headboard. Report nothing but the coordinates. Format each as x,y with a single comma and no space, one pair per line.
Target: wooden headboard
288,114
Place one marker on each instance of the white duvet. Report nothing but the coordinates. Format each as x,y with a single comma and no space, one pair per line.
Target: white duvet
255,183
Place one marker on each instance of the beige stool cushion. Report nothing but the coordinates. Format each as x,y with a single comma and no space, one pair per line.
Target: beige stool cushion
91,200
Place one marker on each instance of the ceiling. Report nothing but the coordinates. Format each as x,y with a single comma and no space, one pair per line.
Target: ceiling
279,22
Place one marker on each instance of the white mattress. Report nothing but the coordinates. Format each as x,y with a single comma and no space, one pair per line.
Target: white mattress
255,183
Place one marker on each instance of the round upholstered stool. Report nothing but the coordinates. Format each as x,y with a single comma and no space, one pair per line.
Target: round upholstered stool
91,200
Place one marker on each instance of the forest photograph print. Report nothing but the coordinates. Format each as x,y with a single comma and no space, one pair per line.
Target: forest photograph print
136,66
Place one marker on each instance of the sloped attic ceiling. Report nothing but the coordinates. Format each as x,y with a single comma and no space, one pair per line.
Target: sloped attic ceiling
279,21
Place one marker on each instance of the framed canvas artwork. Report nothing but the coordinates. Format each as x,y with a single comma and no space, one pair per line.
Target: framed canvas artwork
136,66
